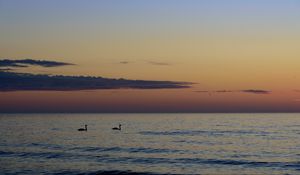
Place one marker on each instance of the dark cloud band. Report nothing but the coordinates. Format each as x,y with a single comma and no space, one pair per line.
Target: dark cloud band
28,62
11,81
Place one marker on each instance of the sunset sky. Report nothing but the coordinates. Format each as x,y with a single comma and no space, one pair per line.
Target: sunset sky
240,56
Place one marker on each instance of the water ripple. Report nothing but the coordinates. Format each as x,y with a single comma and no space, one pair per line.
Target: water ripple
129,150
204,132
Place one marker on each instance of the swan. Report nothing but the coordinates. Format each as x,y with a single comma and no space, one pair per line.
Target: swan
115,128
83,129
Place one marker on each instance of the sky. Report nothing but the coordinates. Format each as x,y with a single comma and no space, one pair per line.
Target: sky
231,56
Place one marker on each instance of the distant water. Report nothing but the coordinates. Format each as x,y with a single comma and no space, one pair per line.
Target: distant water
150,144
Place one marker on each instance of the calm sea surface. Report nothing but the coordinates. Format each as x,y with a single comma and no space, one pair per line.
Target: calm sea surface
150,144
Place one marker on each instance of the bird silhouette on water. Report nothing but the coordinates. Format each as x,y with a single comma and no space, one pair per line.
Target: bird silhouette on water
83,129
117,128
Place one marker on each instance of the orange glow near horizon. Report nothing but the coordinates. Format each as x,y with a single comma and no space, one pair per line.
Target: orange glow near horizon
147,101
217,45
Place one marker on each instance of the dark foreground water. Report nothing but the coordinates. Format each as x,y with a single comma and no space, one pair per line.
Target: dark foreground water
150,144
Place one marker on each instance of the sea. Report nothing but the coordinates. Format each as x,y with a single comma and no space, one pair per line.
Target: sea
151,144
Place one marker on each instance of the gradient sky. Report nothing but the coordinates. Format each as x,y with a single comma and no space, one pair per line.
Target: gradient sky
230,45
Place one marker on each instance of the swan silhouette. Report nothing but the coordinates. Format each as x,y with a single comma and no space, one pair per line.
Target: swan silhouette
83,129
117,128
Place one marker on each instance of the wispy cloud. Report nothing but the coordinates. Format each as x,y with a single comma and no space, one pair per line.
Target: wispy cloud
159,63
30,62
224,91
256,91
124,62
11,81
155,63
253,91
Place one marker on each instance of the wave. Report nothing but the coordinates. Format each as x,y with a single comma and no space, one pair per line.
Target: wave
205,132
125,173
144,161
111,172
45,146
129,150
148,160
46,155
50,149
